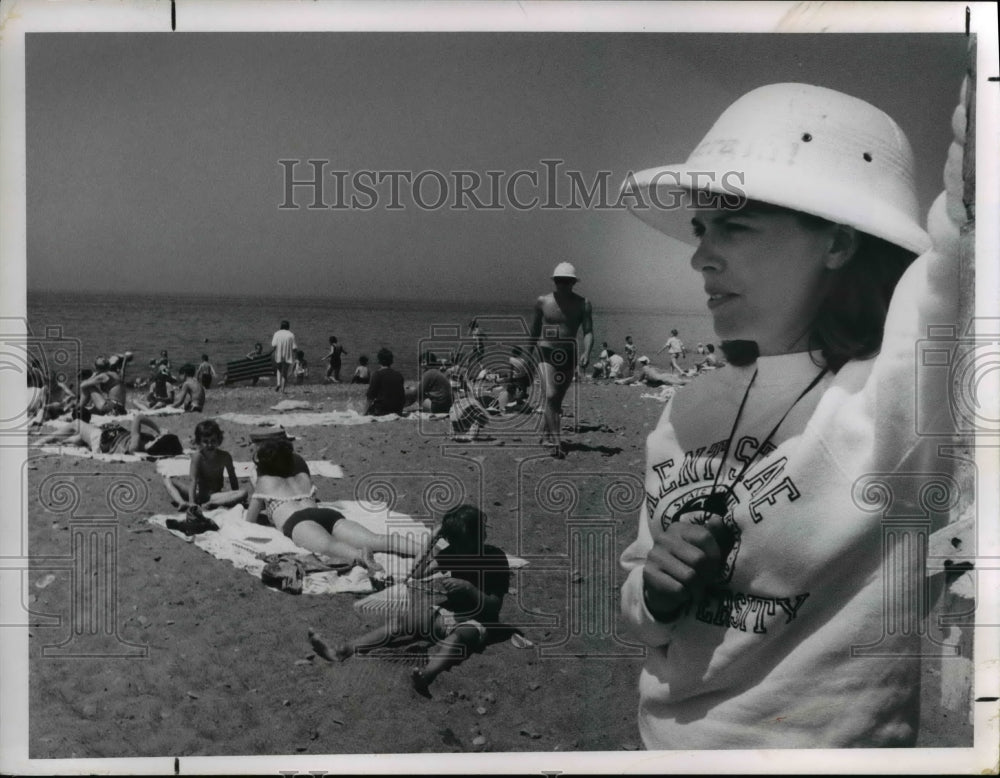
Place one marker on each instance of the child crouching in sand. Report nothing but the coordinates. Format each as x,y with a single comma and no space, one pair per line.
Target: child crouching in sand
477,578
209,466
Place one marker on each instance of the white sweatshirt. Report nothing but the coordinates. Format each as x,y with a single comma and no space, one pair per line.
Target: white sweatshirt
806,641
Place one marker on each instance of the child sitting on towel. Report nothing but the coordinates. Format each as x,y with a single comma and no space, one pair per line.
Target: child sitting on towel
478,577
209,466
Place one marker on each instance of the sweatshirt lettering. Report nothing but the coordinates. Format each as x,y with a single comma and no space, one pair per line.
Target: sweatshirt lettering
770,498
737,610
698,465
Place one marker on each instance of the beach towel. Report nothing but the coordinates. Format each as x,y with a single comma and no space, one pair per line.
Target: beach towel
102,420
125,419
304,419
291,405
181,466
85,453
242,544
167,410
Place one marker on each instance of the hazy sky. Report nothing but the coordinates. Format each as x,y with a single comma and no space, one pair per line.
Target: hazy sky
152,159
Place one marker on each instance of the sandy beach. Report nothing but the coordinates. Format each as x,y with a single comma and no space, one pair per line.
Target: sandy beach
196,657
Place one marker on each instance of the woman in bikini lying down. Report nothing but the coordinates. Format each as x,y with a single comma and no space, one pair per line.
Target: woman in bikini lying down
286,494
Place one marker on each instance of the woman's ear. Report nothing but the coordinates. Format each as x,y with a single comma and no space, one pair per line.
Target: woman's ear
843,245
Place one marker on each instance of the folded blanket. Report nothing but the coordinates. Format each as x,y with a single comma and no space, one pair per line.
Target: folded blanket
304,419
239,542
181,466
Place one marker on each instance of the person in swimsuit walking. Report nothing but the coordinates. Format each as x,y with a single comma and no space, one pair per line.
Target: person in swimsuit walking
558,317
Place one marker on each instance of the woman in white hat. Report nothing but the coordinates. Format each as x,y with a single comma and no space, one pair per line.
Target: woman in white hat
758,576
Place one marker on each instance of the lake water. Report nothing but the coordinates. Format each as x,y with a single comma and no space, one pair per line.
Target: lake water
226,328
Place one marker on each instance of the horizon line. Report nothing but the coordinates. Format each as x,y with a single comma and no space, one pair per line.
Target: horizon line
464,303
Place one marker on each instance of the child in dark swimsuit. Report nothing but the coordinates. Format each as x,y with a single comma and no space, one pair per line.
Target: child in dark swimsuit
478,577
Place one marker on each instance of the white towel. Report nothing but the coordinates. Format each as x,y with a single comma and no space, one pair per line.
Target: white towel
86,453
181,466
239,542
167,410
291,405
343,418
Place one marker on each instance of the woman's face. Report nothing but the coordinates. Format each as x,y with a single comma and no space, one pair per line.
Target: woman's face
764,274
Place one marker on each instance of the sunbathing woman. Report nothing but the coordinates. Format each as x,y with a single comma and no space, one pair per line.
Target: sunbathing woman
286,493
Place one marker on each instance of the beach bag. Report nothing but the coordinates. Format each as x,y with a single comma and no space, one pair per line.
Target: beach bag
194,523
285,574
166,445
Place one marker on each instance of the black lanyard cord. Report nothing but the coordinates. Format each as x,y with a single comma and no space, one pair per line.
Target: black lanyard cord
730,487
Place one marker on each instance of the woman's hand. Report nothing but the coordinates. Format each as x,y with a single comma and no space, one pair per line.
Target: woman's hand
684,560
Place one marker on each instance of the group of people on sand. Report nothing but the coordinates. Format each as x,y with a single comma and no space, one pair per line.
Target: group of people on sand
630,369
101,390
468,576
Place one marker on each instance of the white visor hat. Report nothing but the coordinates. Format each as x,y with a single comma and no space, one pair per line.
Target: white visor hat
798,146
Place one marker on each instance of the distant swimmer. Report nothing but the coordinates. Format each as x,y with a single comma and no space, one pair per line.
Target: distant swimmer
558,317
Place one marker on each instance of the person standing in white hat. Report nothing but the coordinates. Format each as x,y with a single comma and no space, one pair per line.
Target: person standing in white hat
776,608
558,317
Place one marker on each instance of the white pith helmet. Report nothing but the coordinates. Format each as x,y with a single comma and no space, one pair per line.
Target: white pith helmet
564,270
799,146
